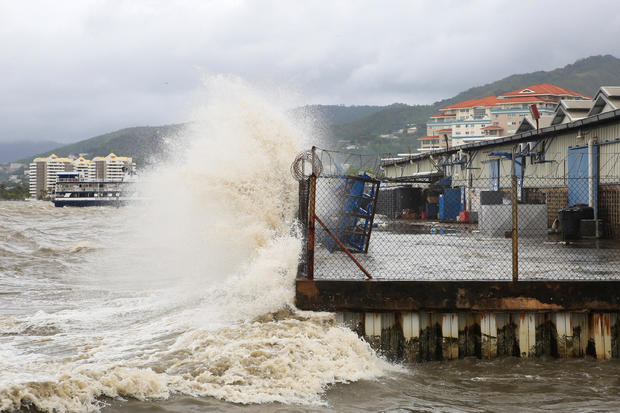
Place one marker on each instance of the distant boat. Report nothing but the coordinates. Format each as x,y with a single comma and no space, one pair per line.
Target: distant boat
72,190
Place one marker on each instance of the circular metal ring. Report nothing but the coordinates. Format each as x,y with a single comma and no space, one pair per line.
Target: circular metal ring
301,171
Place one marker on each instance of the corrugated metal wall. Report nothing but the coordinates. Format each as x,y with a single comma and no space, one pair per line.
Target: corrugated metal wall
609,163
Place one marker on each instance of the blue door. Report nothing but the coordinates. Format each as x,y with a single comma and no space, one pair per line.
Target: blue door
578,179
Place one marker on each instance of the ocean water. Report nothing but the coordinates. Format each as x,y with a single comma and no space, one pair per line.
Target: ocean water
185,303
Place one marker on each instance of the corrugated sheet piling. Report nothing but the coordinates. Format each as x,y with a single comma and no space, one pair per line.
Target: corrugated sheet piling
417,321
419,336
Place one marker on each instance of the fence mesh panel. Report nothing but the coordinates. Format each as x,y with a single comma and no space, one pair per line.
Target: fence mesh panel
459,227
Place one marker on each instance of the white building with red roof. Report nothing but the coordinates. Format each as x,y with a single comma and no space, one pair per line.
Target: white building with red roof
477,120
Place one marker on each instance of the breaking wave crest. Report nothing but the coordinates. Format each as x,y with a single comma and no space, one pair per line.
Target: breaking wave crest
290,360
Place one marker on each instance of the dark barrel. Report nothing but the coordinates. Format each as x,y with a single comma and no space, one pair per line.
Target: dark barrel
570,219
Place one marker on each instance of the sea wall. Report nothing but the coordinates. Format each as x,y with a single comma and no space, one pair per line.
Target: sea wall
422,335
444,320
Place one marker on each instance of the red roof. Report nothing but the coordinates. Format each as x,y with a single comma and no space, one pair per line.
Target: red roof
428,137
494,101
487,101
492,127
523,99
441,115
445,130
542,89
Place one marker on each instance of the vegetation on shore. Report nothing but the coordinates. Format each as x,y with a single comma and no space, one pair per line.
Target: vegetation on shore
14,193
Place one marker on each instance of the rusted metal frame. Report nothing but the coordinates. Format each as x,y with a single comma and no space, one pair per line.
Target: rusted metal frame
372,217
302,213
311,226
341,245
515,214
311,216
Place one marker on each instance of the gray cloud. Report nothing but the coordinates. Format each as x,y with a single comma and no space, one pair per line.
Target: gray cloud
71,70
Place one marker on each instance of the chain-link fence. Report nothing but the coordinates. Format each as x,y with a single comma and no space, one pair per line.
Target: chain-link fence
509,221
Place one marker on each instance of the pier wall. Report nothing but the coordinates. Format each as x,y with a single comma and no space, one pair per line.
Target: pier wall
430,320
423,335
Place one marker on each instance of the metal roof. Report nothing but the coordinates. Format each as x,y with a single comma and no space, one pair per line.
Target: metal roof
572,104
611,91
602,98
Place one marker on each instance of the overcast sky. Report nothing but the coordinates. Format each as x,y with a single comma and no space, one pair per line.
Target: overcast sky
70,70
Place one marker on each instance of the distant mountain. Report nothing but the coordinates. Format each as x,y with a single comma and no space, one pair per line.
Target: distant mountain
365,132
12,151
141,143
584,76
337,114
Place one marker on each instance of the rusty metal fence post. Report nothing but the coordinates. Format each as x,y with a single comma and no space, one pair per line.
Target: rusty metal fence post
515,219
302,216
311,217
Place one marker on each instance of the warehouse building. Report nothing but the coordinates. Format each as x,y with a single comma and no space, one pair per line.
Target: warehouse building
574,161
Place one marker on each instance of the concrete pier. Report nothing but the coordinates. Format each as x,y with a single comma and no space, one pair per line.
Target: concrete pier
416,321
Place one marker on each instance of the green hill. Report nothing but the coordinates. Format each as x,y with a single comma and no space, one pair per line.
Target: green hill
336,114
11,151
365,132
140,143
584,76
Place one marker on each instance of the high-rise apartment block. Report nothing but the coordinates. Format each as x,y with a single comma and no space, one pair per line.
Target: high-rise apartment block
42,174
43,171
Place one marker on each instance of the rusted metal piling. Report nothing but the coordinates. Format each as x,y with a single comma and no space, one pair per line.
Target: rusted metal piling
419,336
418,320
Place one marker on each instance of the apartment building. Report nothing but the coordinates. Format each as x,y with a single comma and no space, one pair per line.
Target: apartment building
491,117
42,174
110,168
82,167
